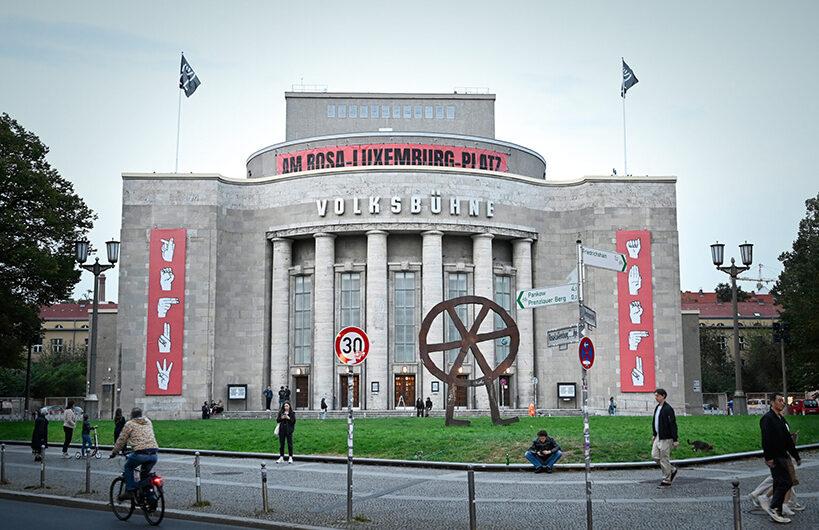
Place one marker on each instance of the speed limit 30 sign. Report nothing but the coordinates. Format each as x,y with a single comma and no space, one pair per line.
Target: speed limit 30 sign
352,345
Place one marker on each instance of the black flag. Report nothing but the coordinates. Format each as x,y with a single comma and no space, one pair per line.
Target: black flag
629,79
188,80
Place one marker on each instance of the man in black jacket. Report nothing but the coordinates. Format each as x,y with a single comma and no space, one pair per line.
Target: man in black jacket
544,452
664,428
776,444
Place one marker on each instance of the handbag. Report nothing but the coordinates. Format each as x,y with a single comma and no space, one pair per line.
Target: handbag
276,430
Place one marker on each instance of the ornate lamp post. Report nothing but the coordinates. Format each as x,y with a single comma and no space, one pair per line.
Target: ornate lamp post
91,400
746,251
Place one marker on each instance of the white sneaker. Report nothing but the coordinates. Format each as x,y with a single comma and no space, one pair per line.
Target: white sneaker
795,506
775,517
280,460
66,455
290,460
787,511
764,502
754,499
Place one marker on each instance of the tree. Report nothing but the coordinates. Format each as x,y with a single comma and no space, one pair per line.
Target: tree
723,291
40,219
717,365
797,291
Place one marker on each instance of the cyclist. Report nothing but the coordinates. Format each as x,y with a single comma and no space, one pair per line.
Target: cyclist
140,433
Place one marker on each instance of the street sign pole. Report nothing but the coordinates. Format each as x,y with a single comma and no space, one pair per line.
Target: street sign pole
585,385
350,444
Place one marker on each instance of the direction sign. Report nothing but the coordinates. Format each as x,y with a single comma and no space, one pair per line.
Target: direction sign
586,352
588,316
352,345
560,294
604,259
561,336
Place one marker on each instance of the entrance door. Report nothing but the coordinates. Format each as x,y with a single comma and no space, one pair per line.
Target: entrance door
460,394
404,390
302,392
343,391
505,384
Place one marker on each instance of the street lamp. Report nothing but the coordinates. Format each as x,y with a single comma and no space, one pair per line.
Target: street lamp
91,401
746,251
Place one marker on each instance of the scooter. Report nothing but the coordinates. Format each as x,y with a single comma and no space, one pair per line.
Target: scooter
95,449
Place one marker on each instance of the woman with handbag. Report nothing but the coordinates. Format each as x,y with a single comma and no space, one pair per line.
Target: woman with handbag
286,423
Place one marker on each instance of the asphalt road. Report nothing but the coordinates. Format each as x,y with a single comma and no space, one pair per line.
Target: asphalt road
398,498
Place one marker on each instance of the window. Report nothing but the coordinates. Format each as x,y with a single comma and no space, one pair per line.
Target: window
456,287
407,112
396,111
439,112
364,111
58,326
374,111
450,112
741,343
354,111
351,299
342,111
37,348
57,345
385,112
302,320
85,344
404,308
722,342
428,112
331,111
503,297
417,112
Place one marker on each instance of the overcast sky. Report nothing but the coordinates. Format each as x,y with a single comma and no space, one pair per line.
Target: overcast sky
726,100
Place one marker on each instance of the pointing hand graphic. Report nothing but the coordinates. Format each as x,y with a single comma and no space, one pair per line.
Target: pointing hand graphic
167,249
634,339
165,340
166,278
637,376
163,305
163,374
635,311
633,248
634,280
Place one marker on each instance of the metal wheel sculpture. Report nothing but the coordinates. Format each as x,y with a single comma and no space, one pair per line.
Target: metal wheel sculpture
469,340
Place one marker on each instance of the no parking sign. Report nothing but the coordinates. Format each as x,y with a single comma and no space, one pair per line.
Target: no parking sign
586,352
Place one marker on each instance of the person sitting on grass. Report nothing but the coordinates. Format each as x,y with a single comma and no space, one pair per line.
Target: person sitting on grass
544,452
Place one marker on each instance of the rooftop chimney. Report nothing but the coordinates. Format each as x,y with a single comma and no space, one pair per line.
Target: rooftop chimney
102,288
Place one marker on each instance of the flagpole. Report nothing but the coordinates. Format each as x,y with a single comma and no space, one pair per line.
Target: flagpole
623,93
178,121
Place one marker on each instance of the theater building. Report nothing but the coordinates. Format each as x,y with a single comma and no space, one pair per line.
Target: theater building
374,209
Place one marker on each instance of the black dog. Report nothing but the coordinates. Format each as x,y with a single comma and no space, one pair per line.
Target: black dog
697,445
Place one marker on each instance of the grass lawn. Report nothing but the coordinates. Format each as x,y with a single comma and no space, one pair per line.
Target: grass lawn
613,439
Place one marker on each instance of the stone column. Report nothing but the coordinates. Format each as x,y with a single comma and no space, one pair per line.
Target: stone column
377,363
432,292
280,313
323,326
525,361
484,286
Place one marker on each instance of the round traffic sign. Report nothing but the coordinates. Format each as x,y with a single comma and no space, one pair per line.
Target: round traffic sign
352,345
586,352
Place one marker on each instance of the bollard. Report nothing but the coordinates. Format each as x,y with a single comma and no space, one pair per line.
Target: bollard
42,467
737,511
470,477
198,479
264,487
2,463
88,473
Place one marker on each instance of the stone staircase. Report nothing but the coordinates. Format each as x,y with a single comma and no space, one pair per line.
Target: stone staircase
400,413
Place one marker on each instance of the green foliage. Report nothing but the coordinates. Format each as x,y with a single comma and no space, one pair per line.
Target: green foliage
762,367
716,365
54,374
613,439
797,291
723,291
40,219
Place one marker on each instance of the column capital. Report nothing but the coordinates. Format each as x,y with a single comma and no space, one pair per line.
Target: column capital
429,233
281,240
376,233
483,235
324,234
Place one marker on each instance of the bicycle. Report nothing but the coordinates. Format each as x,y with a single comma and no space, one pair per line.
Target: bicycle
148,496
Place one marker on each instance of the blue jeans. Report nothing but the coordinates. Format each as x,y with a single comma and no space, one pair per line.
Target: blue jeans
135,460
547,461
86,442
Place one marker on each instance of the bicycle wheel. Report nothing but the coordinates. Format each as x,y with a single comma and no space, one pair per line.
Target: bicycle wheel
154,512
122,509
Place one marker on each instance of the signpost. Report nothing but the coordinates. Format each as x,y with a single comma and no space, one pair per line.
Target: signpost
352,346
588,316
560,294
561,336
604,259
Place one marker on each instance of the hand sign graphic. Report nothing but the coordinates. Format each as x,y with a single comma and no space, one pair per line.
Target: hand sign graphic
634,280
165,340
635,311
633,248
166,278
634,339
167,249
637,376
163,374
163,305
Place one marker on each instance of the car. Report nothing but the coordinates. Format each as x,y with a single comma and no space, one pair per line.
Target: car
757,406
804,407
55,412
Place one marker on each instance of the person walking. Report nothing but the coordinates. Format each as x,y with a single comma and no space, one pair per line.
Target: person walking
268,397
69,422
544,452
119,423
287,422
612,406
39,437
428,406
776,445
323,409
419,408
664,428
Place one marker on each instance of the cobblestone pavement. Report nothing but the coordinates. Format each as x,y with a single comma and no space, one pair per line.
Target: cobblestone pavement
397,498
